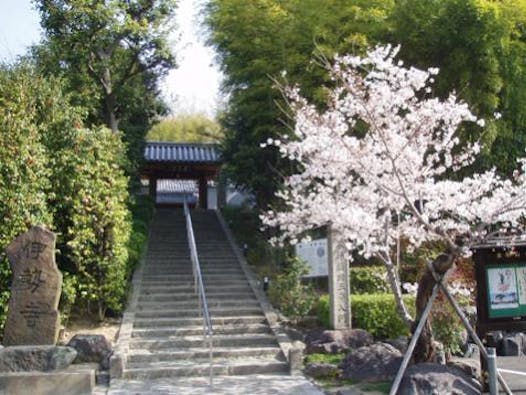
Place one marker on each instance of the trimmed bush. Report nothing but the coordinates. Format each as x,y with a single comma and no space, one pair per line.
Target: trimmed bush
142,208
97,236
289,294
376,313
368,280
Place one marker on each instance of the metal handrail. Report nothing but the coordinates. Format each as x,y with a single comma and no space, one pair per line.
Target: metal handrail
199,287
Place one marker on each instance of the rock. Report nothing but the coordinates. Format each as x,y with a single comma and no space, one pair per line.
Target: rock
512,345
434,379
35,358
472,351
296,357
400,343
467,365
321,370
92,348
336,341
374,363
33,317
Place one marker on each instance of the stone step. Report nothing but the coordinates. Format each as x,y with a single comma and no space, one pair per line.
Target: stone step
178,342
171,297
189,283
138,356
217,322
198,330
185,263
231,271
194,304
218,312
203,261
153,289
220,368
216,277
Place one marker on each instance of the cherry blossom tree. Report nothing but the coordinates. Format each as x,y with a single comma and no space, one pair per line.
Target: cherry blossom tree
376,166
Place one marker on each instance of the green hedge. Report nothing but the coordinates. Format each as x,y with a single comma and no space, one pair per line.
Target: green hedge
376,313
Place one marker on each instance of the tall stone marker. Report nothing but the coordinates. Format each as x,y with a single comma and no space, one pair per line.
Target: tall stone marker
33,317
339,288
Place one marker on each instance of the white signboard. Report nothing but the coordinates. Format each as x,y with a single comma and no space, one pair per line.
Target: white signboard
315,254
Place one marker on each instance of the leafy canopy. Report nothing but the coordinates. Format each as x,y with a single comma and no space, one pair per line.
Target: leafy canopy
194,128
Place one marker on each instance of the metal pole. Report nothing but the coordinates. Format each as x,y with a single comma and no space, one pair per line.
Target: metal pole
412,344
492,371
470,329
211,355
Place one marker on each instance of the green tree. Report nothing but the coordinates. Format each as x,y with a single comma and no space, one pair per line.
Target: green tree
195,128
102,45
262,42
479,47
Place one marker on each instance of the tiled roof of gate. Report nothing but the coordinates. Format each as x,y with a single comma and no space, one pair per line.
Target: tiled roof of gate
181,152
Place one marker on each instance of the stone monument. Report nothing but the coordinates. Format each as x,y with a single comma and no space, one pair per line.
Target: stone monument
33,317
339,288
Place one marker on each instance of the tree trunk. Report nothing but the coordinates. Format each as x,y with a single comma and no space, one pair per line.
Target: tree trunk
111,117
425,347
394,282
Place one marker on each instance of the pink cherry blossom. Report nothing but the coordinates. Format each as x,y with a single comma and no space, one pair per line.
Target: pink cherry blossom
374,165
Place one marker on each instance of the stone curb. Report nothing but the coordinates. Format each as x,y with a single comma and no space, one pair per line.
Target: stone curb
118,358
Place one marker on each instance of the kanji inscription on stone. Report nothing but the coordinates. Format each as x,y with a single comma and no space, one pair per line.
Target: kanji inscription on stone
339,288
33,317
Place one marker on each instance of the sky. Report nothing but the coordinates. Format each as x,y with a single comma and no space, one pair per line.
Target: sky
192,87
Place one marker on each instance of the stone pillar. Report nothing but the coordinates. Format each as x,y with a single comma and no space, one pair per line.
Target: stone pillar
153,187
339,288
203,193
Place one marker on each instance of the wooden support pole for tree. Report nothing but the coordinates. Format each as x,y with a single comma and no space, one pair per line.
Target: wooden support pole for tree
412,343
469,328
439,283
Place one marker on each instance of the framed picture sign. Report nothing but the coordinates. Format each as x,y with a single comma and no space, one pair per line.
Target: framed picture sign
501,287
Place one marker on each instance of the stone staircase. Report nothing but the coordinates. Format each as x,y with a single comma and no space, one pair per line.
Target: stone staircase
166,338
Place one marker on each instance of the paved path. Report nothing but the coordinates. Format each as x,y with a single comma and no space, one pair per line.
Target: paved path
513,370
223,385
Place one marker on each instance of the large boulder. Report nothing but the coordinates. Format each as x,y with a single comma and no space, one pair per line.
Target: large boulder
400,343
336,341
434,379
92,348
374,363
35,358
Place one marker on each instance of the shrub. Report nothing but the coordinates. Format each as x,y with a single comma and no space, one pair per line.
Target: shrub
289,294
368,280
142,208
70,179
376,313
94,200
23,166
